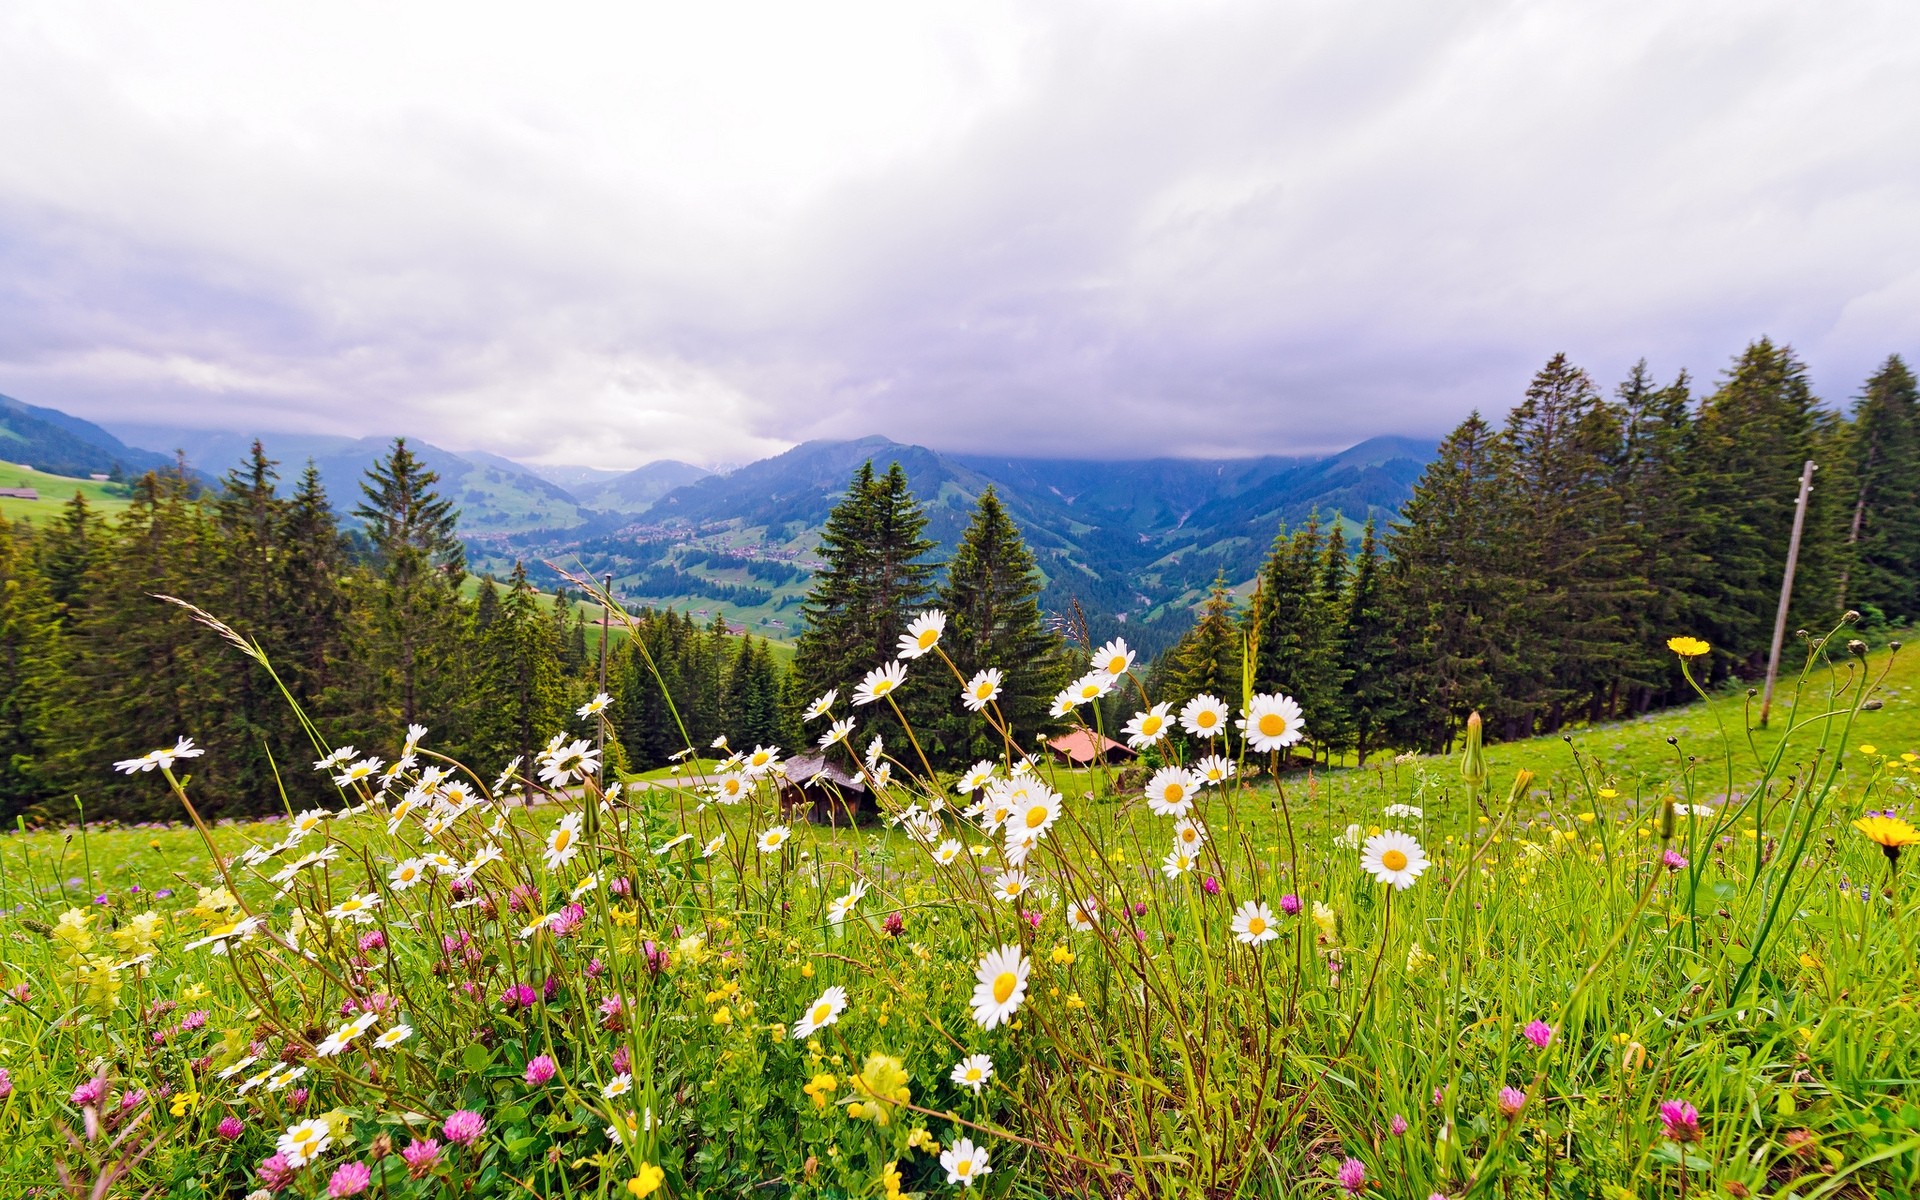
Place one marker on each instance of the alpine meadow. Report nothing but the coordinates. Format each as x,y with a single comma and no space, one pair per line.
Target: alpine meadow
1462,848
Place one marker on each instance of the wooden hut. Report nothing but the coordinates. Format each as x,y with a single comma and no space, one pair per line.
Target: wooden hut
822,793
1077,749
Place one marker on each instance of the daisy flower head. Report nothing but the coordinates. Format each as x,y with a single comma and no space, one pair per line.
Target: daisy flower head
1189,834
1063,703
1273,722
975,779
366,768
1011,885
981,690
973,1072
1113,659
1214,769
163,759
595,706
964,1162
731,789
1000,986
880,682
1170,791
1037,807
947,852
1089,687
1393,858
1148,727
875,748
358,909
305,1141
415,734
564,842
713,846
1253,923
1177,863
393,1037
1204,716
821,1013
763,760
406,874
836,732
821,705
923,634
773,838
618,1086
1083,914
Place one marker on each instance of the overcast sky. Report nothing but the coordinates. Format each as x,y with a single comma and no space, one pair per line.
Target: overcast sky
606,234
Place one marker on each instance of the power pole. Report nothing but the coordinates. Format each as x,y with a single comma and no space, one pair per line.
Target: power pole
606,613
1786,588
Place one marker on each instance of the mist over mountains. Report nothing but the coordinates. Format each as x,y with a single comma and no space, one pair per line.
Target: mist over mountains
1133,543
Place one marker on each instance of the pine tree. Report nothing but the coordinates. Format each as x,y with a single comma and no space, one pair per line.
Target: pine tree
33,695
991,598
66,554
1753,434
520,697
1294,651
1450,592
1372,695
413,615
1659,513
1208,659
313,567
1883,514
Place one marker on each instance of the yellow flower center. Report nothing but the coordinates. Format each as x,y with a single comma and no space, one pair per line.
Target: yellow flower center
1256,926
1150,726
1036,816
982,690
1172,793
821,1012
928,637
561,838
1394,860
1206,718
1272,724
1003,986
964,1167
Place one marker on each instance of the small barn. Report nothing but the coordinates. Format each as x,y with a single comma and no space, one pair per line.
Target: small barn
822,793
1077,749
20,493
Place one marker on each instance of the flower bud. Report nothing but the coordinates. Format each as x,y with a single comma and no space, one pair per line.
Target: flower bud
1666,819
1857,648
1473,759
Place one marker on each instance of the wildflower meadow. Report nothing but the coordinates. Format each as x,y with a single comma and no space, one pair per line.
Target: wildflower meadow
1220,974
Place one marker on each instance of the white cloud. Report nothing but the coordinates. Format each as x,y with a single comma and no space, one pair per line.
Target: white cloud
615,233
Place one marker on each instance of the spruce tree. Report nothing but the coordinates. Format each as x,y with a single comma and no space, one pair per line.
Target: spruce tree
1653,472
520,697
1372,694
33,683
992,600
1208,660
1294,648
1883,510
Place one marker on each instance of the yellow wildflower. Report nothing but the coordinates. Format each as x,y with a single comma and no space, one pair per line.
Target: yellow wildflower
1062,956
1687,647
647,1182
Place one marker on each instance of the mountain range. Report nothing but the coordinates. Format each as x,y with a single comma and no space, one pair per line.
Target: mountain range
1134,544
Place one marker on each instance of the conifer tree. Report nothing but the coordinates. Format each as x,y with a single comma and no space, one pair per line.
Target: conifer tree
1208,659
1653,473
1294,649
1372,696
992,600
413,618
33,692
1883,513
520,698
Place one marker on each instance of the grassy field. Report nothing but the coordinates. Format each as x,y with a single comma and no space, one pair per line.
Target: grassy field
108,499
1584,993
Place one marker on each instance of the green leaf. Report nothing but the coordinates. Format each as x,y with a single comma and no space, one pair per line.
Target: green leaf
476,1058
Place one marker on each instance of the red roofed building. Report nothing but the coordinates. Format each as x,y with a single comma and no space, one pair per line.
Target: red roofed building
1076,749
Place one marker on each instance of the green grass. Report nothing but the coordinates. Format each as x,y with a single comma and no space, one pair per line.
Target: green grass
106,499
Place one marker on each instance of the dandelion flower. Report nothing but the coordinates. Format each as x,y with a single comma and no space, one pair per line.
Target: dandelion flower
1687,647
1204,716
1253,923
981,690
880,683
1001,986
1170,791
1888,832
775,837
1273,722
922,635
564,842
964,1162
1393,858
821,1013
304,1142
973,1072
1148,727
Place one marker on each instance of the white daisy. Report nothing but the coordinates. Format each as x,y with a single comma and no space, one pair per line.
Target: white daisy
564,842
1037,807
1000,987
763,761
1089,687
821,706
304,1142
595,706
947,852
975,779
618,1086
1011,885
393,1037
731,789
973,1072
1113,659
880,682
358,909
1083,915
983,689
775,837
1177,863
836,732
1204,716
1148,727
965,1162
1253,923
1393,858
713,846
1189,834
821,1013
1273,722
406,874
923,635
1214,769
1170,791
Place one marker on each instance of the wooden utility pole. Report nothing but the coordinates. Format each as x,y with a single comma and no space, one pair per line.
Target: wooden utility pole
1786,588
606,613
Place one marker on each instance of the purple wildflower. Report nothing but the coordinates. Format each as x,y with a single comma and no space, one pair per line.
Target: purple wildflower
1682,1120
464,1127
1675,860
1290,904
231,1128
1398,1126
518,995
1539,1033
540,1070
421,1156
350,1180
1512,1100
275,1172
1353,1176
91,1092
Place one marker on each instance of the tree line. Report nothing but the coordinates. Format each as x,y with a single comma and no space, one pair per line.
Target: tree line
1540,564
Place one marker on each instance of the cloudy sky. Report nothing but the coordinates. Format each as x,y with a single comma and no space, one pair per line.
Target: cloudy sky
612,233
